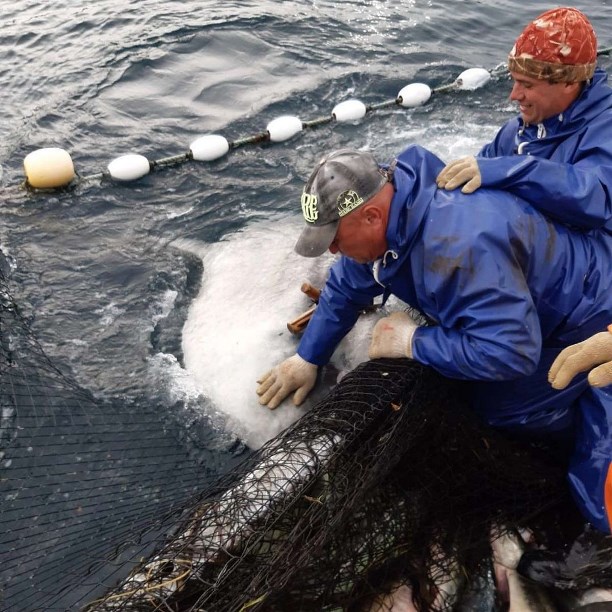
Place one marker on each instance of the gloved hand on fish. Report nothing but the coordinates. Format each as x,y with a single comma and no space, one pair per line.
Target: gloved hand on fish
293,374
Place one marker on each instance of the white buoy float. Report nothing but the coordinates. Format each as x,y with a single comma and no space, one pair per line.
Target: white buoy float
48,168
472,78
129,167
349,110
283,128
415,94
209,147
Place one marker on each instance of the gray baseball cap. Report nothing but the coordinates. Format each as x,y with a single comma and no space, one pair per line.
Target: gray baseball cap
341,182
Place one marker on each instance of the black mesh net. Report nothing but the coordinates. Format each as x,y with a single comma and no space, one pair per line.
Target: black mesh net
82,481
388,481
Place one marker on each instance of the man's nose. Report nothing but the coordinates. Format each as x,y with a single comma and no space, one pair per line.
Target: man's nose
516,93
333,248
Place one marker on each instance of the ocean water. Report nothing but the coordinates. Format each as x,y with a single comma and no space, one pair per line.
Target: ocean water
99,269
173,292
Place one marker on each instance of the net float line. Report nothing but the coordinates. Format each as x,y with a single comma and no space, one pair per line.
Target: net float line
53,168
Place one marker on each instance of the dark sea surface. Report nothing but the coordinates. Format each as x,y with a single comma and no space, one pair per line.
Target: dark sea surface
94,268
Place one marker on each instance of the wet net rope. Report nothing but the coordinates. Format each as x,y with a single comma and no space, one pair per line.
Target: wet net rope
387,481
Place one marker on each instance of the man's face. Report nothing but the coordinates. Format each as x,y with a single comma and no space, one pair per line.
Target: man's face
359,237
538,100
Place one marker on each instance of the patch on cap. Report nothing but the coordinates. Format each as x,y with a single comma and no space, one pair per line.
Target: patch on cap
309,207
347,201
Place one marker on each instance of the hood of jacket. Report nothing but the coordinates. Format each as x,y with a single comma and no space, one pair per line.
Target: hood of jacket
414,180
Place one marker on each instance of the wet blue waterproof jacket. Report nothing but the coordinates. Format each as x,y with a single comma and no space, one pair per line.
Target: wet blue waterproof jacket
507,287
501,279
563,166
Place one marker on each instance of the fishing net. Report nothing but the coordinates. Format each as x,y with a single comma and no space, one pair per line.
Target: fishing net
388,481
83,482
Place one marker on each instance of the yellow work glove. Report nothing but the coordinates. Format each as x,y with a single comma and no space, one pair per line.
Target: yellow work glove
293,374
580,357
462,171
392,336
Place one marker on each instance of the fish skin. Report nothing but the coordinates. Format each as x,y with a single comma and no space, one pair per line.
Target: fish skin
523,594
589,600
398,600
528,596
480,594
223,526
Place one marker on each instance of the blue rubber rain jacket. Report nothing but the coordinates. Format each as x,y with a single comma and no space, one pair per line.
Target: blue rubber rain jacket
508,289
563,166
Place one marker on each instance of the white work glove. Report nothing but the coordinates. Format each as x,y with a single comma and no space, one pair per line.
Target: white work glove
462,171
293,374
392,336
580,357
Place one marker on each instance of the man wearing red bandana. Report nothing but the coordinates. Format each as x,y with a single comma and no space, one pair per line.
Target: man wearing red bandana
558,153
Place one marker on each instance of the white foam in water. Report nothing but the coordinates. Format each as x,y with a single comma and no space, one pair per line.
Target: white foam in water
236,328
460,141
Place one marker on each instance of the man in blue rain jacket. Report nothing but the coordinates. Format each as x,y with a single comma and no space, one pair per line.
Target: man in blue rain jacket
558,153
507,287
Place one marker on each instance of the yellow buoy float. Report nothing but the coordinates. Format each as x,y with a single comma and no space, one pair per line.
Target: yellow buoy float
48,168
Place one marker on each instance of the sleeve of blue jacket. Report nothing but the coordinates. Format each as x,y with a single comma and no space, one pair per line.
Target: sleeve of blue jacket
348,290
488,327
575,192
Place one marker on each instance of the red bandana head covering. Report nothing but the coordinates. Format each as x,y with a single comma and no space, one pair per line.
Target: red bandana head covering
559,46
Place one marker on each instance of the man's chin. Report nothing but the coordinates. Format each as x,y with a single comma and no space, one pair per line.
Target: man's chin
529,118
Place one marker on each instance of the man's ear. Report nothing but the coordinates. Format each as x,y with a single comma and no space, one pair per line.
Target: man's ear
371,214
573,89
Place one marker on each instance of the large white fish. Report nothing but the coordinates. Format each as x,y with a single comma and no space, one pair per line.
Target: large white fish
236,328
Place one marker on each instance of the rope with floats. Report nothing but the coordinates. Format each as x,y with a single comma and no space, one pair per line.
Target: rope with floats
53,168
